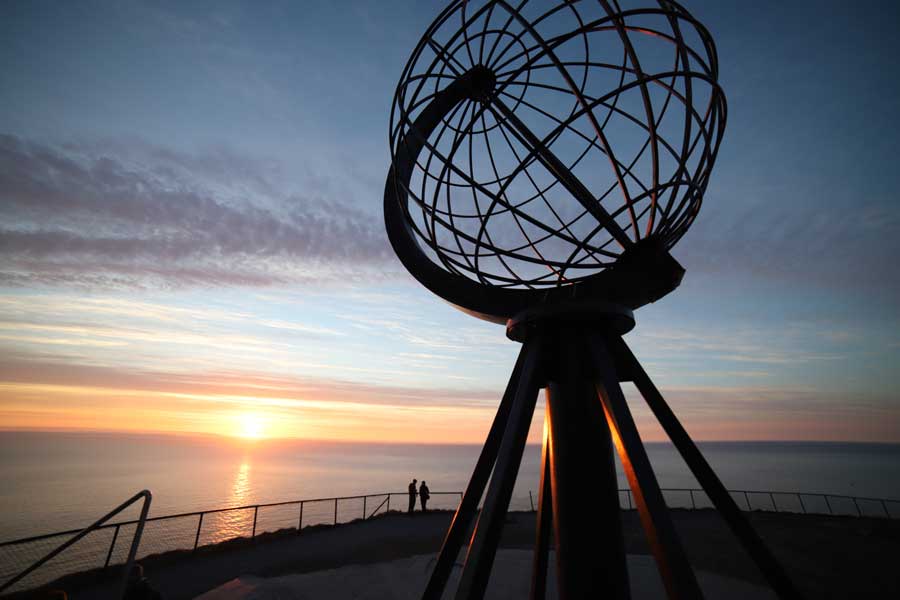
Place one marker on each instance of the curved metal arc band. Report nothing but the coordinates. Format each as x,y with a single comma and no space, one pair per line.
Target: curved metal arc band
539,149
555,273
717,102
416,139
479,300
424,41
460,261
496,199
482,301
618,18
498,302
686,100
549,52
592,206
672,183
619,23
684,49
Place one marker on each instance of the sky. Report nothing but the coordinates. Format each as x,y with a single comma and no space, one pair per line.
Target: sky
191,236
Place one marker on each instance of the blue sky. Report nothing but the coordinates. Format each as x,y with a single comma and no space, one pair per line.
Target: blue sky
191,234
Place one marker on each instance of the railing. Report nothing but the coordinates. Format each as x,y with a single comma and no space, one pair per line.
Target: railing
834,504
190,530
79,535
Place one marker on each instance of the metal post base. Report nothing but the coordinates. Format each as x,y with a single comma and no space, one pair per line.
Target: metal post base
581,365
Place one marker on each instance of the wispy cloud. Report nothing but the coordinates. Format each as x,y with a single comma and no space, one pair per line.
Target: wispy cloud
323,407
834,238
737,345
225,384
76,214
772,412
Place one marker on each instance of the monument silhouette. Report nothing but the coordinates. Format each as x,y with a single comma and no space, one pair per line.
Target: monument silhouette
545,159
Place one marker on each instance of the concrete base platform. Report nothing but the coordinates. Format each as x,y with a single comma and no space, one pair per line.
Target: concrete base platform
405,579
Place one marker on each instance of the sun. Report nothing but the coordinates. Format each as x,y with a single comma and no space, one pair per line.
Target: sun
251,426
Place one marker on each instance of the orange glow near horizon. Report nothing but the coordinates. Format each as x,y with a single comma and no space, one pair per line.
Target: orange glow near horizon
247,415
244,419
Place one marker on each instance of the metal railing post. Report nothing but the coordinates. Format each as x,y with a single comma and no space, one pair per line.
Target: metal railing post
531,500
112,545
772,498
747,498
255,513
389,504
197,537
886,512
828,504
364,507
693,504
374,512
335,511
858,512
802,506
300,522
628,494
135,542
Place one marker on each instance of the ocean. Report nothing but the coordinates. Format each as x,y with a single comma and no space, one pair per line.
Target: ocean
51,481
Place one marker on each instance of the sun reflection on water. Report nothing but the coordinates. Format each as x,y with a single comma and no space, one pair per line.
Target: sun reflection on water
236,523
240,489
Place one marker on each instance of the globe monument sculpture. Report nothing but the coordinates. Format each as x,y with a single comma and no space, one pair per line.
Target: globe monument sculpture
545,160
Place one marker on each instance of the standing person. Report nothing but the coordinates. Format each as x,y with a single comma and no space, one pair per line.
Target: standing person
139,587
424,496
412,496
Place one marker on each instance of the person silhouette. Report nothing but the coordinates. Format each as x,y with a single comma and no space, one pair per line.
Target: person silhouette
412,496
424,495
139,587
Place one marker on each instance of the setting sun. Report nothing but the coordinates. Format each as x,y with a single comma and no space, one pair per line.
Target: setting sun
251,426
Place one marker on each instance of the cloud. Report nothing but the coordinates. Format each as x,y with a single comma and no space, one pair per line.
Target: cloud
139,215
737,345
755,412
799,229
772,412
24,368
125,214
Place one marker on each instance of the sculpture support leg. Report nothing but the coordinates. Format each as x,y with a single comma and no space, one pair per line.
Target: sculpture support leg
590,549
544,520
480,557
707,478
674,567
468,506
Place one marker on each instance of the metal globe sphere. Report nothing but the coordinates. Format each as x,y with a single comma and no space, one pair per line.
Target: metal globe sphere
535,147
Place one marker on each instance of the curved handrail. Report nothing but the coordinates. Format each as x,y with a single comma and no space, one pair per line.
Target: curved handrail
98,524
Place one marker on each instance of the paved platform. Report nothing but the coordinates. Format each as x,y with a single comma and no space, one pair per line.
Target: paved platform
828,557
404,579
